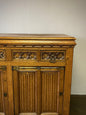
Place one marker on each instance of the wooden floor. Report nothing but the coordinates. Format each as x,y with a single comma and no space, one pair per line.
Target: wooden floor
78,105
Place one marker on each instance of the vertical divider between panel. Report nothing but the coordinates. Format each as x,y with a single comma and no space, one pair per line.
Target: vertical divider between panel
38,92
2,93
15,91
10,89
5,91
58,92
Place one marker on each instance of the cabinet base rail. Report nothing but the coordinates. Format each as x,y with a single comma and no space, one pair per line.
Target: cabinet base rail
38,67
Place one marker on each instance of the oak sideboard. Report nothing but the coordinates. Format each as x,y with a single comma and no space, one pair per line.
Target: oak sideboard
35,74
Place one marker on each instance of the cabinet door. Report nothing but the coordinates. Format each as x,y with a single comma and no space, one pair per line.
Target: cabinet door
38,89
3,91
52,80
24,83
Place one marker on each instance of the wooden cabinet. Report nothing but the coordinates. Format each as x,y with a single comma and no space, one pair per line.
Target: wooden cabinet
35,74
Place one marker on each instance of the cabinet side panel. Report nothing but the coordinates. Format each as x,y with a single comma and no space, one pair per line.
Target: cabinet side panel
67,81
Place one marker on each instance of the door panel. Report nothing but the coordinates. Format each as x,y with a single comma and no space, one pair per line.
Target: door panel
52,90
38,89
27,91
24,91
49,91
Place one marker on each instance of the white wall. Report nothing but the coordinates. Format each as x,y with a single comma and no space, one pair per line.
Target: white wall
50,16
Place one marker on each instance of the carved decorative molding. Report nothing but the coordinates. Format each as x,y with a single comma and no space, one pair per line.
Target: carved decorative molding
53,56
2,55
35,46
24,55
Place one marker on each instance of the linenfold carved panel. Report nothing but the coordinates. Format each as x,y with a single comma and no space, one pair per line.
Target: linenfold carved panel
27,91
53,56
2,55
24,92
50,84
24,55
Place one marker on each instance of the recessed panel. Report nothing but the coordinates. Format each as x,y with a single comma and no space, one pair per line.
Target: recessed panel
24,91
50,86
53,56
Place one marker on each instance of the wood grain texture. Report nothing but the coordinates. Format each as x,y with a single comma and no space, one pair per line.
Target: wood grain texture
4,104
37,42
10,90
24,91
52,85
49,91
5,91
1,113
40,89
27,92
35,36
1,94
49,113
27,114
61,90
67,84
37,39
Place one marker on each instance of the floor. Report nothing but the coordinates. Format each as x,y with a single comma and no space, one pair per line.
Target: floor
78,105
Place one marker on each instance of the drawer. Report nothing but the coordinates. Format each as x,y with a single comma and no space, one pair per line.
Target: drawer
38,55
22,55
52,56
2,55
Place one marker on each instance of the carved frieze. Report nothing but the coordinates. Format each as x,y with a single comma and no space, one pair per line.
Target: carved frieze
24,55
2,55
35,46
53,56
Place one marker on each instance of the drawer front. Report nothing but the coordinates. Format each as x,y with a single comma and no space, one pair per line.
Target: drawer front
22,55
2,55
52,56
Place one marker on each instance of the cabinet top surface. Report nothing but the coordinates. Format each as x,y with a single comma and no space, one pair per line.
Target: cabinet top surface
36,36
